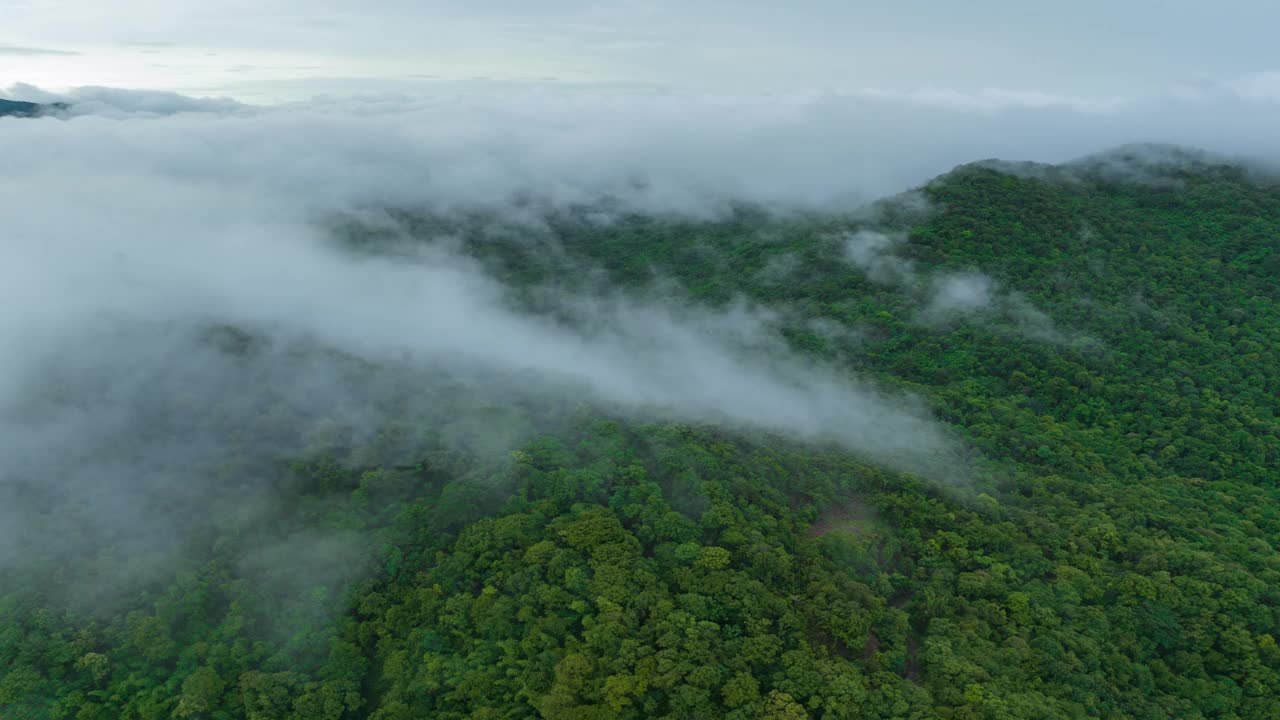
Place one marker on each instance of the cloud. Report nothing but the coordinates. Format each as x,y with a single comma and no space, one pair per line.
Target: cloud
696,150
873,253
186,251
960,293
976,297
122,103
147,229
32,51
146,220
947,297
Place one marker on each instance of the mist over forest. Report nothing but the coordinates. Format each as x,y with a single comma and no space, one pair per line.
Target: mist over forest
639,403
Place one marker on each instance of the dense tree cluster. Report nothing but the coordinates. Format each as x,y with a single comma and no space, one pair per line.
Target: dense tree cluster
1113,554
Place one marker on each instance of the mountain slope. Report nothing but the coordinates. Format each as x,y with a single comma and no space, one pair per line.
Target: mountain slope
1105,336
18,108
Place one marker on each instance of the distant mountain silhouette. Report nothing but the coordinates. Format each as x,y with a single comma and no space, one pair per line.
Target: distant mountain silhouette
18,108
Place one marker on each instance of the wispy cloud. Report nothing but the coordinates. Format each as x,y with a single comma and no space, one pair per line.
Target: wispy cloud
132,228
31,51
947,297
147,213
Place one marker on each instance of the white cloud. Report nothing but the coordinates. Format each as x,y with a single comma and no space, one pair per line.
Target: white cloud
960,293
974,296
946,297
874,253
32,51
691,150
145,213
133,224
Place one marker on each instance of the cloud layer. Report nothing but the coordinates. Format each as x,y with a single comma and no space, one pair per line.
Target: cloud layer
144,215
470,144
31,51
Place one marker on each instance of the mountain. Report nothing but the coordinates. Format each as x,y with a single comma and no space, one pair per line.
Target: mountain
18,108
1103,337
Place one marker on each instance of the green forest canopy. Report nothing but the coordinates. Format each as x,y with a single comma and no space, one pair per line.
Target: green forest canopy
1112,556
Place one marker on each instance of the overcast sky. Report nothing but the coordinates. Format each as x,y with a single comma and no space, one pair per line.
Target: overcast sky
264,50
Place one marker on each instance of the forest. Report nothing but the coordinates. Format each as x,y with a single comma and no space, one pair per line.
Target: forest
1101,339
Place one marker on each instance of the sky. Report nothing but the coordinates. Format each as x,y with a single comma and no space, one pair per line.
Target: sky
278,50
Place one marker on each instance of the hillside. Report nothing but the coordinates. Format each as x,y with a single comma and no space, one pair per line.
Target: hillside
17,108
1103,339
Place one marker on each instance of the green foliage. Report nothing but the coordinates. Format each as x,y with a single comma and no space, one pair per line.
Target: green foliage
1113,556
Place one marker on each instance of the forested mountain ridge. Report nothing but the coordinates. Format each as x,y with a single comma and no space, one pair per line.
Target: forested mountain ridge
18,108
1105,337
